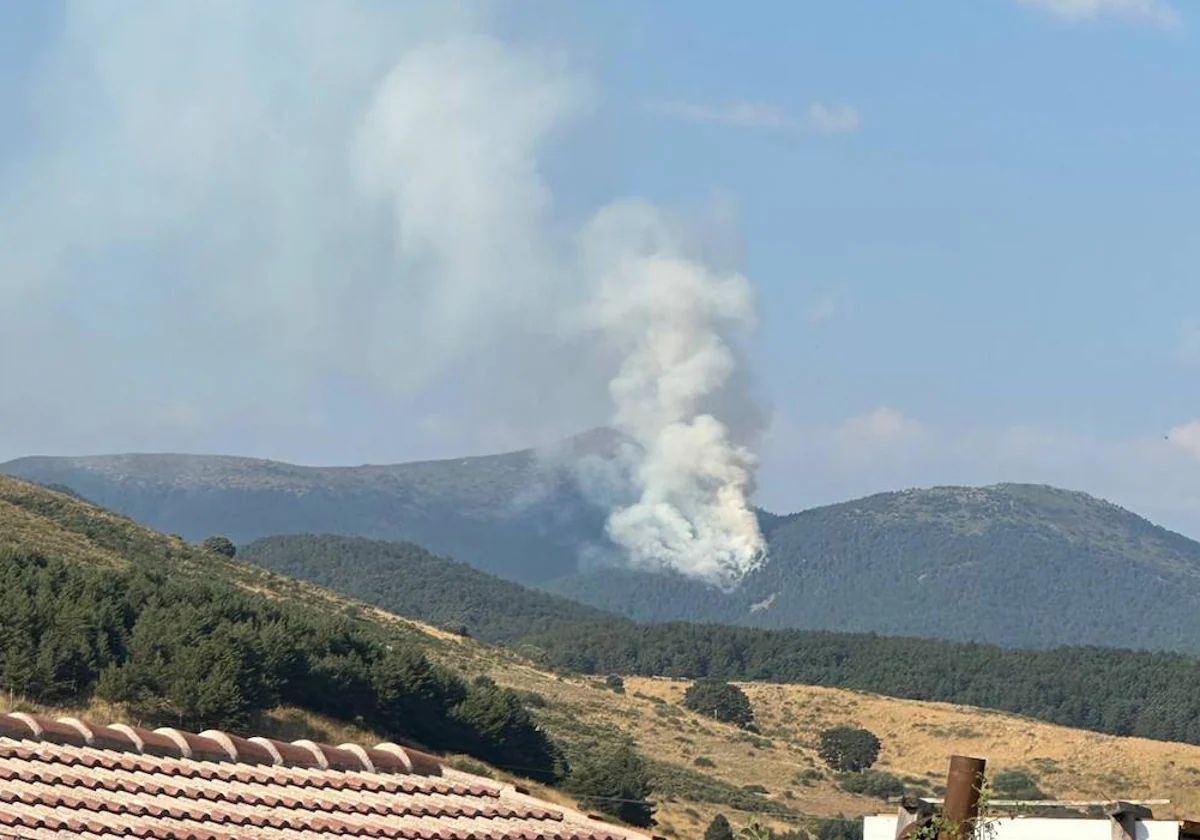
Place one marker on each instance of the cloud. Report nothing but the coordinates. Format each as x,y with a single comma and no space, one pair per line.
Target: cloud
819,118
827,120
824,310
1186,438
1188,349
1151,12
882,427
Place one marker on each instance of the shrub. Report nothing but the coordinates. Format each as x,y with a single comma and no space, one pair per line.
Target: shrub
704,761
839,828
719,700
614,782
756,830
849,749
615,682
675,782
791,834
872,783
1016,784
808,777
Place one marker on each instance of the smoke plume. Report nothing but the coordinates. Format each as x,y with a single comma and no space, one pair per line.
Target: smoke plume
280,196
665,315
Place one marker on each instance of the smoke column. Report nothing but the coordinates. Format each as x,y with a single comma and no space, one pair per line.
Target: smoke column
666,316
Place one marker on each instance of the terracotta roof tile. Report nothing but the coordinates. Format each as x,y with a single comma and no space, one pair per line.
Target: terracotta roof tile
68,779
196,747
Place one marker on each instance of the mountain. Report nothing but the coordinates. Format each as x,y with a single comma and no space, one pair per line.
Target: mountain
519,514
1010,564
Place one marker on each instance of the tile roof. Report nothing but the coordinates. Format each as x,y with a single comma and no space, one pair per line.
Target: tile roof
70,779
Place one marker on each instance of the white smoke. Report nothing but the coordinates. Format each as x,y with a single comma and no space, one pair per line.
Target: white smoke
665,315
275,196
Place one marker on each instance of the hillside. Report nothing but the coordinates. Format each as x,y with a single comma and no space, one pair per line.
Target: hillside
105,616
917,738
1010,564
1154,695
1019,565
96,607
407,580
93,554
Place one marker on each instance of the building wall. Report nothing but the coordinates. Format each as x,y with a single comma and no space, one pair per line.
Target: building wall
1032,828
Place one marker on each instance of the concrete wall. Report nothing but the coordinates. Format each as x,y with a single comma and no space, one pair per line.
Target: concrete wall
1033,828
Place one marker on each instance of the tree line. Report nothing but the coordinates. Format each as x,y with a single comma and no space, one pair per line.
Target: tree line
1120,692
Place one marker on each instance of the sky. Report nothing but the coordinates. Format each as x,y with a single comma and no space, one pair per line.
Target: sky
970,230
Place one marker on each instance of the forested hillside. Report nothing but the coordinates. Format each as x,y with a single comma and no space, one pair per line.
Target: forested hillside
1018,565
94,605
407,580
1023,565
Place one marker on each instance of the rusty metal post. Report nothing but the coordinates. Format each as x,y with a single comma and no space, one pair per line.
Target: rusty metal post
961,806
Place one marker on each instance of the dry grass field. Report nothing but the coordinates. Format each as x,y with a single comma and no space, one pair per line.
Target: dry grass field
918,738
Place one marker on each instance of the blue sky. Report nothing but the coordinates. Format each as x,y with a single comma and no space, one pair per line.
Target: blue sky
971,229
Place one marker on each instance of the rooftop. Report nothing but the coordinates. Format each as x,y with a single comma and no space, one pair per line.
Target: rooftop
67,778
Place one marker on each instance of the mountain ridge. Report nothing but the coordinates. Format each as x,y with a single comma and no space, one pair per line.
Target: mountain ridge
1023,565
1014,564
517,513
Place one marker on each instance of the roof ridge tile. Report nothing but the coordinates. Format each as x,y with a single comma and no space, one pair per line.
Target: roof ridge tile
213,746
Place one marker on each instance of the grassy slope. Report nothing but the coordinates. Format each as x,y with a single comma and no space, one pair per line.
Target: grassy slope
55,524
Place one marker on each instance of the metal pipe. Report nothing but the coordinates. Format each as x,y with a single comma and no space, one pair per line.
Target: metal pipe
963,786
